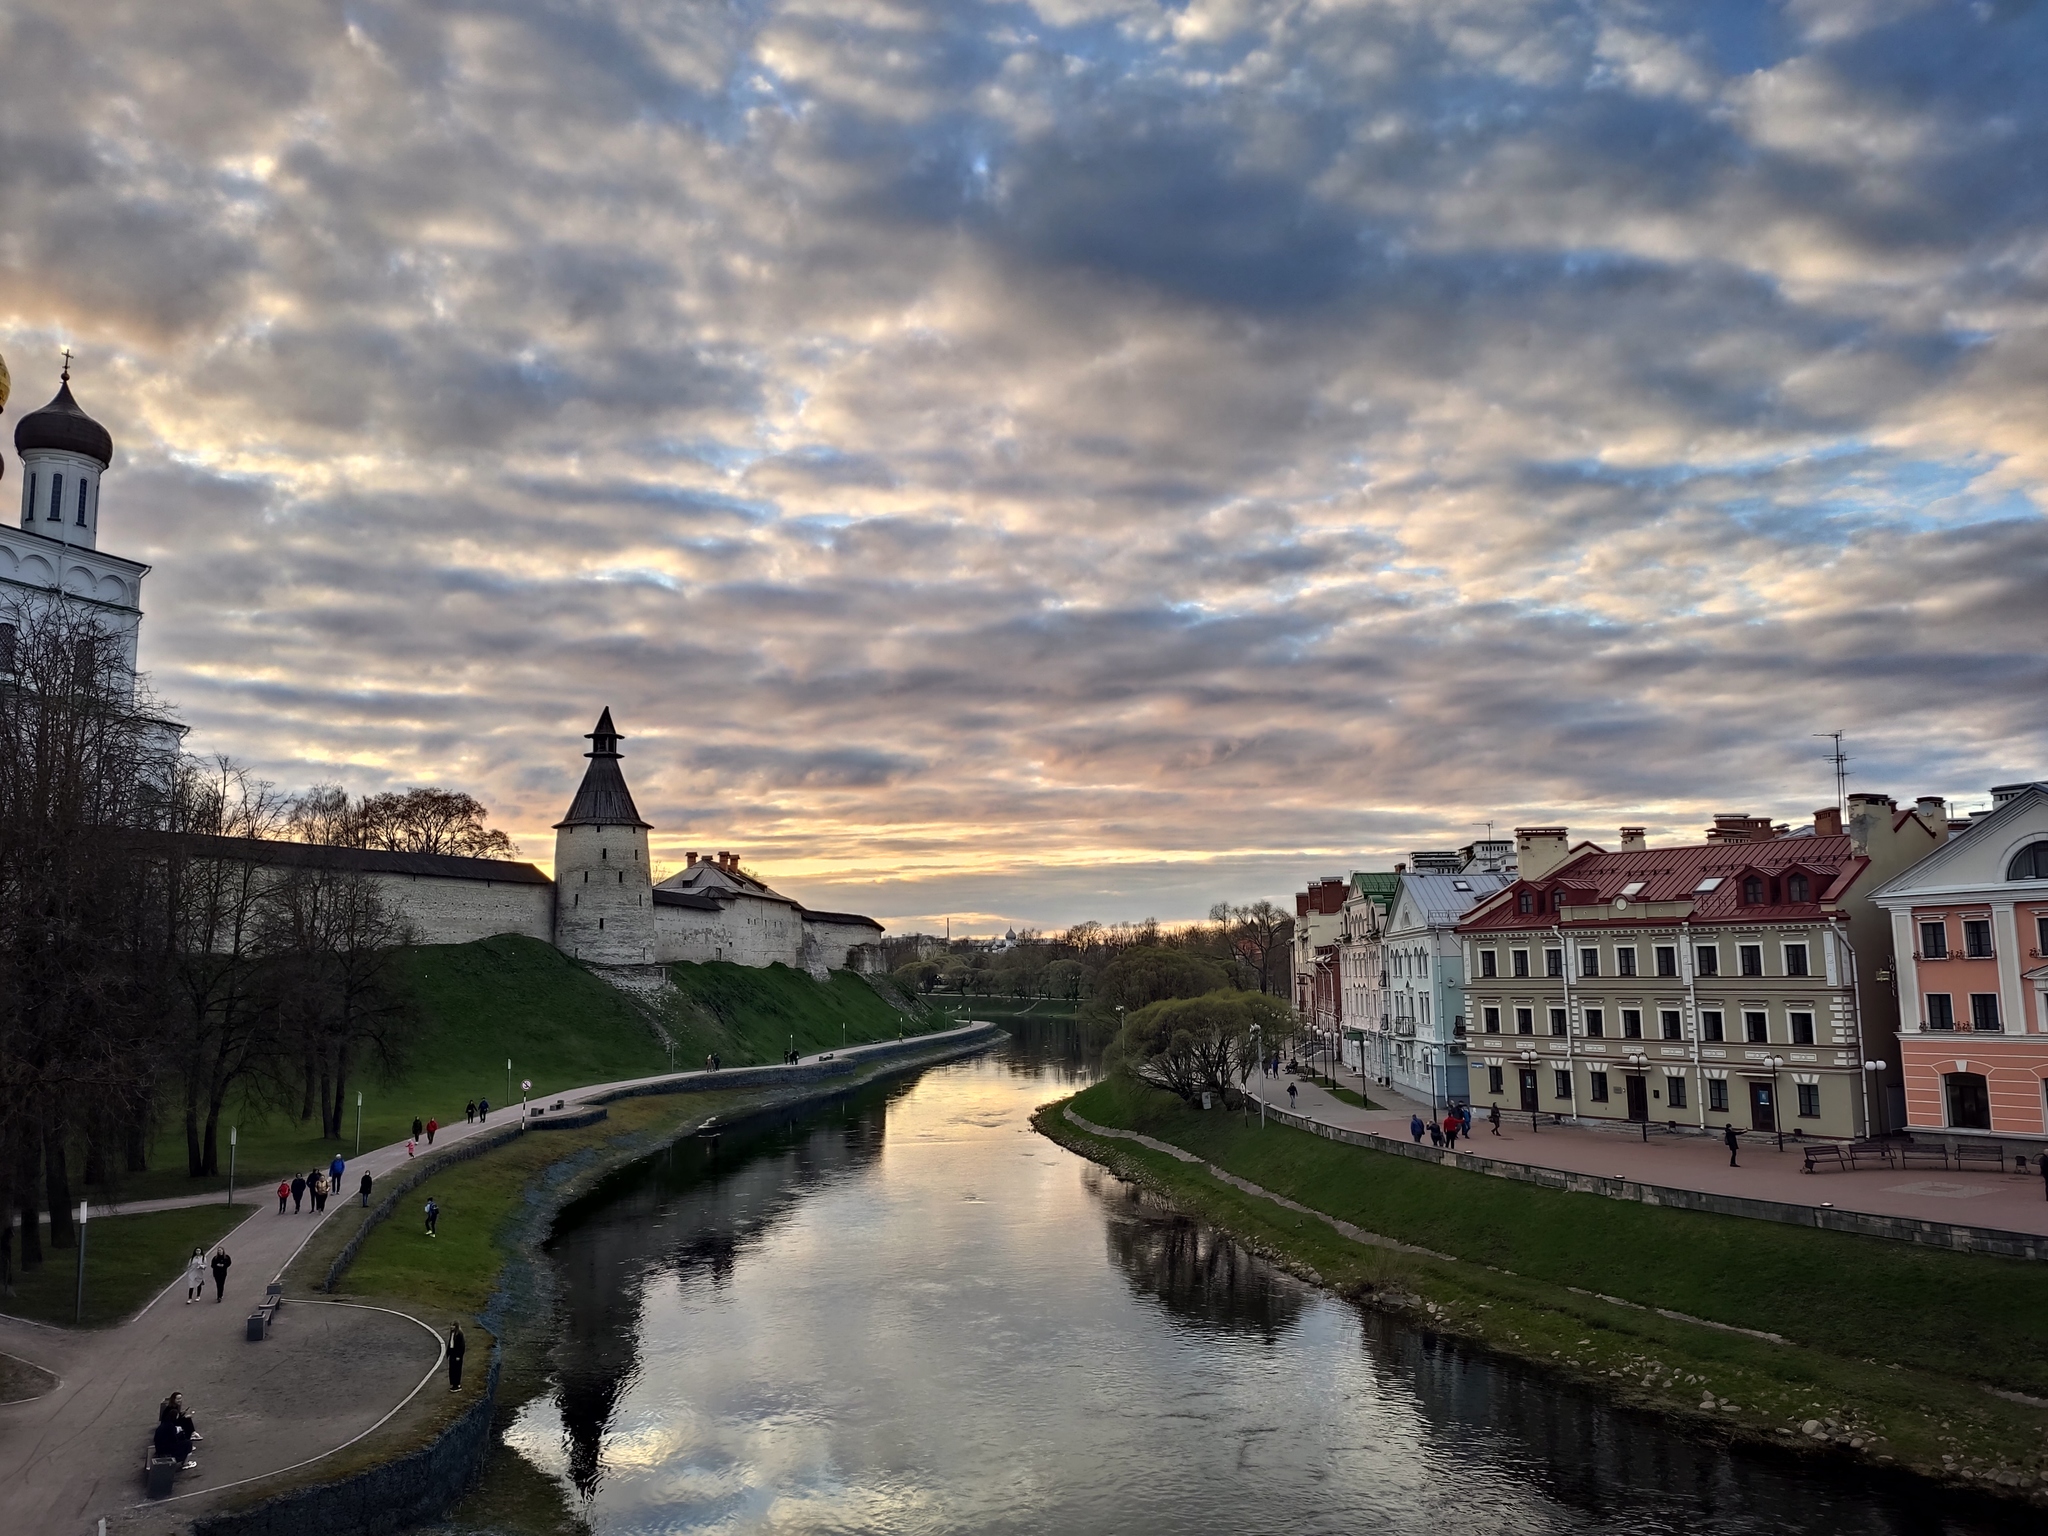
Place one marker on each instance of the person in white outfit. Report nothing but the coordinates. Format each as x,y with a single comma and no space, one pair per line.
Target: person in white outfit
195,1275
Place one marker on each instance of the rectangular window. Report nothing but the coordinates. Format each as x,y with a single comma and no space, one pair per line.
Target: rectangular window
1795,960
1977,938
1667,959
1934,941
1525,1021
1492,1020
1802,1027
1631,1023
2040,936
1710,1024
1488,963
56,512
1518,962
1553,962
1984,1011
1756,1028
1557,1024
1717,1095
1674,1092
1668,1024
1941,1011
1625,960
1589,962
1809,1100
1751,957
82,488
1562,1083
1596,1087
1494,1085
1706,959
28,501
1596,1023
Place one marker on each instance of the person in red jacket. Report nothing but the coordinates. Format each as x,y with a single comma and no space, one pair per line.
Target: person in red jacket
432,1126
1452,1125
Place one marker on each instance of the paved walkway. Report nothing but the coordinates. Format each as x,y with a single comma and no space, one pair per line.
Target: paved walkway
325,1375
2007,1202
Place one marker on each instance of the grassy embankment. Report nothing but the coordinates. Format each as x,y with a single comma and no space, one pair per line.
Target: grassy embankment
1902,1348
128,1259
559,1024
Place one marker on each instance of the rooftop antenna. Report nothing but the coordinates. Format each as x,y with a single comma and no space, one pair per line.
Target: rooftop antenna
1841,761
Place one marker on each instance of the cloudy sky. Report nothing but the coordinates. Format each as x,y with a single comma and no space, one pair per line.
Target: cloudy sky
1084,459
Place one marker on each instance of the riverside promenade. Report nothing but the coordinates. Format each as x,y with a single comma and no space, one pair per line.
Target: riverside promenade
2003,1201
329,1373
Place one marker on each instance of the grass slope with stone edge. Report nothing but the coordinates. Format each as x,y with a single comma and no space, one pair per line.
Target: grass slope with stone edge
1884,1338
750,1015
128,1259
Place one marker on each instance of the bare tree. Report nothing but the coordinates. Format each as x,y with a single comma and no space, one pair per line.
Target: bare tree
1259,936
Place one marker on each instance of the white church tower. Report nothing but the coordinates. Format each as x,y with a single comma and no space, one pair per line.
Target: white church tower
604,890
53,552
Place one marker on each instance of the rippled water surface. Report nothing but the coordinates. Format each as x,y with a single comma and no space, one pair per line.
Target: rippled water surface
906,1311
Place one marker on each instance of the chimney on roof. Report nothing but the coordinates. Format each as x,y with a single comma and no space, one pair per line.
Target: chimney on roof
1400,869
1934,812
1539,850
724,858
1634,839
691,856
1738,827
1827,822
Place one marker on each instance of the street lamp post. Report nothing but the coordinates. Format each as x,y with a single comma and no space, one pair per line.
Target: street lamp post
78,1303
359,1122
525,1087
1641,1063
1429,1070
233,1131
1528,1058
1777,1104
508,1079
1875,1084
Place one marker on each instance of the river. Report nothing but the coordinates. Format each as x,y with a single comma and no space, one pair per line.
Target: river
904,1311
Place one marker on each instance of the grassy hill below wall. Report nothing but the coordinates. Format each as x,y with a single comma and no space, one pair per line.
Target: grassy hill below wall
480,1004
749,1015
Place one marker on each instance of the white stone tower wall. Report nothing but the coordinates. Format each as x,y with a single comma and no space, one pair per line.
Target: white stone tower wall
604,895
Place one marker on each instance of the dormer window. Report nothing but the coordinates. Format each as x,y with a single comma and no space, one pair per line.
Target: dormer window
1752,890
1526,903
1798,889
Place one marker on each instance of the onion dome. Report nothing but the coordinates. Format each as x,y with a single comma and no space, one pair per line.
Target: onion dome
62,427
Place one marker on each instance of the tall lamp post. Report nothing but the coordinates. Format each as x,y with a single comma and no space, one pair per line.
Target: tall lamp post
1429,1069
1873,1080
78,1304
1777,1105
508,1079
1528,1058
359,1122
233,1132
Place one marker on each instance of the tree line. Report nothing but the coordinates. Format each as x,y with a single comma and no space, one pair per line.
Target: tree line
155,967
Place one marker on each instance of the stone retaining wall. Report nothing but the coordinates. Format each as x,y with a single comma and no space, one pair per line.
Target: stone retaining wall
1898,1229
420,1485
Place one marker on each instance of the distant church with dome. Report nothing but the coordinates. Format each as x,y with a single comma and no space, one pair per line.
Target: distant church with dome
603,906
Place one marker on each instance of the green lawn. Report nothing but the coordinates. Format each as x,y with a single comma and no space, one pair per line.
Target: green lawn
1845,1294
750,1015
480,1003
128,1259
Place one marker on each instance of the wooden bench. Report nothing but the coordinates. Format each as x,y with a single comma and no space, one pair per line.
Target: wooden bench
1920,1154
265,1313
1842,1156
1979,1155
1827,1156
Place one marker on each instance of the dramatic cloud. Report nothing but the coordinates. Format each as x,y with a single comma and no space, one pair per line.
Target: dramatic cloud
1090,458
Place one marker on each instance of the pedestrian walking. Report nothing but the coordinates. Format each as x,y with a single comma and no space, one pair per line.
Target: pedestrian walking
457,1348
469,1113
1465,1120
1493,1119
1416,1128
195,1275
1733,1138
298,1192
335,1170
1452,1125
366,1191
1436,1133
284,1193
1290,1096
432,1126
433,1217
483,1110
320,1189
409,1145
221,1261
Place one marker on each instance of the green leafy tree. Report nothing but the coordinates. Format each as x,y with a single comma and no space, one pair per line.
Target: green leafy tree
1193,1045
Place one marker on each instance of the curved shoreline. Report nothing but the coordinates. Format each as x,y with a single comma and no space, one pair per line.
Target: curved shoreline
1101,1146
516,1313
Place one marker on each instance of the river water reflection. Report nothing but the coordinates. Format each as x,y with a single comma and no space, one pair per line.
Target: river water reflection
905,1311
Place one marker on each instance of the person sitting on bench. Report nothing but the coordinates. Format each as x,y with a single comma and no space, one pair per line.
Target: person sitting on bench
175,1432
